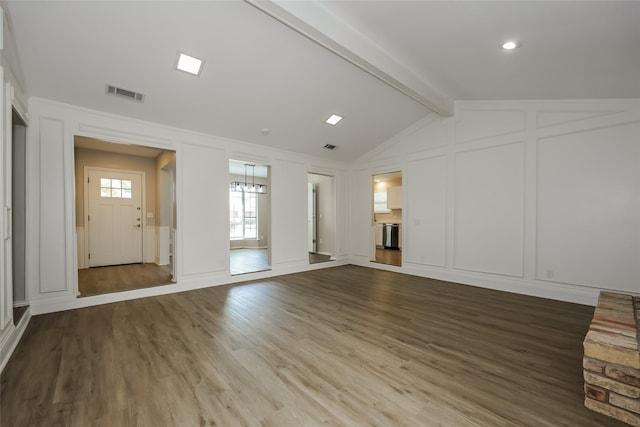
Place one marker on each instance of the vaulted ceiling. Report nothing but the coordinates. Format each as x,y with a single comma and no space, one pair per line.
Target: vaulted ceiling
275,70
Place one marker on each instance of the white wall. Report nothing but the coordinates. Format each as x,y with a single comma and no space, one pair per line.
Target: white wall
202,183
12,95
540,198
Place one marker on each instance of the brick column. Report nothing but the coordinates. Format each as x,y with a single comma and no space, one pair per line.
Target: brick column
612,359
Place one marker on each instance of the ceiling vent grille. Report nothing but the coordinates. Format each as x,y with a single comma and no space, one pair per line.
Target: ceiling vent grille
125,93
330,147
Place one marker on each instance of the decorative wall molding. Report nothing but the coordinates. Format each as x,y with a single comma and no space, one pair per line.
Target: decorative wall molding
52,230
478,124
479,132
426,216
11,337
555,117
489,207
204,236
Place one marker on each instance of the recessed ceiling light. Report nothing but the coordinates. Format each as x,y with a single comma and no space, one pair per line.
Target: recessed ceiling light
189,64
510,45
333,120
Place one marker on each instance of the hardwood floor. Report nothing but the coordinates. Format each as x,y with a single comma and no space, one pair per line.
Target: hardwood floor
248,260
118,278
389,256
315,258
343,346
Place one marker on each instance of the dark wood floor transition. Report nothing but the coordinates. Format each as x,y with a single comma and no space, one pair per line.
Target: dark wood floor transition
343,346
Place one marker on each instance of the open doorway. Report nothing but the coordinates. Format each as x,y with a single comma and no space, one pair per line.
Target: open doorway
387,218
249,217
321,223
19,214
125,216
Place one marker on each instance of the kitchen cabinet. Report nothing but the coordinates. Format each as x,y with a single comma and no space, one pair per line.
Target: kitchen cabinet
378,235
394,197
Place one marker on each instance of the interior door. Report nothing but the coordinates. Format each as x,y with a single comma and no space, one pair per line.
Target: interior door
115,217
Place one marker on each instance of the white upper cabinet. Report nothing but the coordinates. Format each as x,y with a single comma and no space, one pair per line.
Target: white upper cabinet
394,197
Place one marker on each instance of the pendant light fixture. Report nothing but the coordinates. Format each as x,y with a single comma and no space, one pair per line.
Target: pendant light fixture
246,186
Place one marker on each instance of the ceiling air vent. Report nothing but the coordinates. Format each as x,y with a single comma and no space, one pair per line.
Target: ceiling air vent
330,147
125,93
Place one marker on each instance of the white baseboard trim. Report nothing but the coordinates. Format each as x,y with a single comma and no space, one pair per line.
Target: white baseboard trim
585,295
9,344
557,291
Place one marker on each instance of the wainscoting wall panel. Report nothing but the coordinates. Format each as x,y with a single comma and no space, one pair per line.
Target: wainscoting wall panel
489,210
588,187
475,124
53,263
426,212
205,237
289,204
542,197
361,217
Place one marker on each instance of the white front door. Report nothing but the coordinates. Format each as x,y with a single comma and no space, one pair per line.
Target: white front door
115,217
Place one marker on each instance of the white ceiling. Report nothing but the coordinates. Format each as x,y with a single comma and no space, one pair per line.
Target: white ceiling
382,62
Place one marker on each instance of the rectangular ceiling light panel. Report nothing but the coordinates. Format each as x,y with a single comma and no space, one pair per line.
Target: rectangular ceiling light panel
333,120
189,64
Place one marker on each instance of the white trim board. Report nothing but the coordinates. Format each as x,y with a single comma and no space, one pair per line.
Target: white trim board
52,305
584,295
12,338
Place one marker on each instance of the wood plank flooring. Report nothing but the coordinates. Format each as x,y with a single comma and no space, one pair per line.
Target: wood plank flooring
118,278
343,346
244,261
315,258
389,256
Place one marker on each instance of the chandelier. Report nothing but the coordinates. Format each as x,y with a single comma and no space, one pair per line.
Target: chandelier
246,186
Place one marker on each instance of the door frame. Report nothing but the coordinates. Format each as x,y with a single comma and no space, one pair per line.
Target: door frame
334,211
85,188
